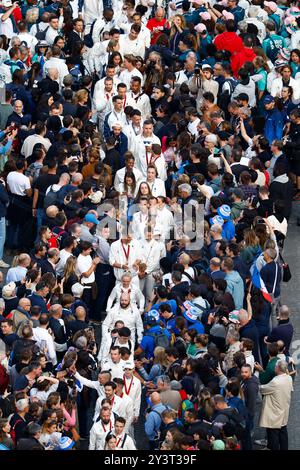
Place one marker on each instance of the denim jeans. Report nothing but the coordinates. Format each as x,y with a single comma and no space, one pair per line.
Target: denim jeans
39,221
2,235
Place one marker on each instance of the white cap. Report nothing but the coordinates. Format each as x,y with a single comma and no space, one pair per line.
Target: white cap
129,365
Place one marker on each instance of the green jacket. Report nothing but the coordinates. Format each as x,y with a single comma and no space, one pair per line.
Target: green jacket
237,208
267,375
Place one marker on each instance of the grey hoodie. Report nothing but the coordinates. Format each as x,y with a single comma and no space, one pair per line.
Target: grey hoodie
235,286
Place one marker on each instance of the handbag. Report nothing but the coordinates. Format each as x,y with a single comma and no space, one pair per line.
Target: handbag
286,272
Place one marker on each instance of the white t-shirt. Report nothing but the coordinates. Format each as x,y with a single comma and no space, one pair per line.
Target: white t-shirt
18,183
6,27
83,265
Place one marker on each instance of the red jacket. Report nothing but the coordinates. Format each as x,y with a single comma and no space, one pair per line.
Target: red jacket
246,55
229,42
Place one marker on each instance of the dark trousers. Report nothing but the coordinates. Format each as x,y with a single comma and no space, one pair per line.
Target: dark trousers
104,278
278,438
247,441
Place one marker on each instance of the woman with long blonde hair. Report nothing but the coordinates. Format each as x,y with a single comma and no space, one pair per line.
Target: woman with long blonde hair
177,32
70,276
159,366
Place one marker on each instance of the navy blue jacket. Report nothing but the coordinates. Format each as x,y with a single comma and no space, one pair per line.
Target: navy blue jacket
250,331
284,332
3,201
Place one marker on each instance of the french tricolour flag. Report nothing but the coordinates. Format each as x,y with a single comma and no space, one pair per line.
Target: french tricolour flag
259,283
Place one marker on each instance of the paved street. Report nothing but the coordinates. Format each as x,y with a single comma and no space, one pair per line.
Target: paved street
291,297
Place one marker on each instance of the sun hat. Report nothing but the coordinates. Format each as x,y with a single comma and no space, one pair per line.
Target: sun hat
227,15
291,24
271,5
280,63
200,28
65,443
285,53
224,211
205,16
217,219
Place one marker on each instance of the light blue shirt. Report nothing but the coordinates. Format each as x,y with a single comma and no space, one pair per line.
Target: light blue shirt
16,274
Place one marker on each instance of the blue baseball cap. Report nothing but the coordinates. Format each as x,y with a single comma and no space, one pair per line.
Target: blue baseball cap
92,219
269,99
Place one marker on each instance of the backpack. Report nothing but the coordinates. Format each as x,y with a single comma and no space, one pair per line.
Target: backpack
41,35
58,235
225,97
162,427
51,198
13,431
186,405
238,422
160,339
204,310
88,38
272,51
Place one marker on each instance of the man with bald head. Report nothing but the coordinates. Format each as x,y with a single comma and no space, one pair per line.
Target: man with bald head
58,328
79,323
215,269
154,420
21,315
18,115
157,25
126,312
76,181
248,329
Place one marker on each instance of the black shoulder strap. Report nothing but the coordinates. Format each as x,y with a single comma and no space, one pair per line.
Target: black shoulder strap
124,440
188,276
92,27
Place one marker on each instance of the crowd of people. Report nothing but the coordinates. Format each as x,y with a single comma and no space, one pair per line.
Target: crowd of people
149,157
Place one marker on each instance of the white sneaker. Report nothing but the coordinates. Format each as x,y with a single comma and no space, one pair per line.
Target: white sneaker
261,442
3,264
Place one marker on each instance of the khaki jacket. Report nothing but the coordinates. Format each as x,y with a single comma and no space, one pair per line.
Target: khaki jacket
276,402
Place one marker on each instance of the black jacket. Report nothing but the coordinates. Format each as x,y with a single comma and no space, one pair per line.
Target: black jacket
250,388
29,443
282,188
3,200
